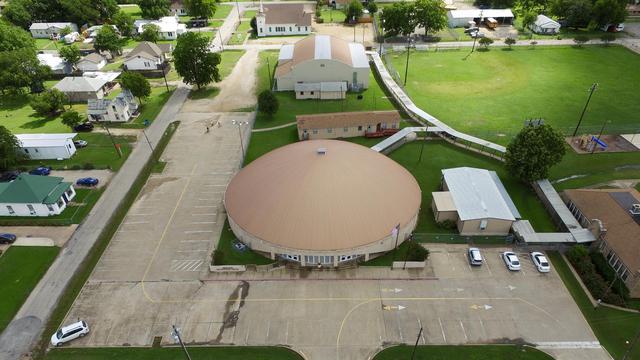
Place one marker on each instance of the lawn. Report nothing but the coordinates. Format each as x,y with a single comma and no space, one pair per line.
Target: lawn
21,267
612,327
243,27
223,11
175,353
228,61
466,352
248,14
151,107
237,38
84,201
490,94
17,116
330,15
234,257
133,10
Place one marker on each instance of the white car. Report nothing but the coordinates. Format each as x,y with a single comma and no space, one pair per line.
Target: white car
540,261
475,258
70,332
511,260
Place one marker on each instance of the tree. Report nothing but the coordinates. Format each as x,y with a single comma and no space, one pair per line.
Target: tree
607,38
49,103
124,23
430,15
89,11
578,13
581,40
607,12
66,30
533,151
398,19
254,25
136,83
268,102
14,38
72,118
17,13
201,8
108,40
416,252
372,7
510,41
151,33
528,19
154,9
194,62
485,42
70,54
353,11
9,146
21,68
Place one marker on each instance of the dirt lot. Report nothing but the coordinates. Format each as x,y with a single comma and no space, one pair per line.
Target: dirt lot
615,143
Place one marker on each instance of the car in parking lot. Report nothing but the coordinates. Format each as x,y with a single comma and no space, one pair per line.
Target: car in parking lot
87,181
41,170
540,261
80,143
70,332
475,258
511,260
83,127
9,176
6,238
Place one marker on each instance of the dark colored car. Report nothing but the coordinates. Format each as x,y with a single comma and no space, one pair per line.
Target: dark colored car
88,181
41,170
80,143
9,176
83,127
7,238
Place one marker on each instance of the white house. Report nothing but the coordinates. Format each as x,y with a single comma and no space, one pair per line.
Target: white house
57,64
119,109
284,19
82,88
545,25
47,30
177,7
47,146
169,27
147,56
35,195
460,18
319,59
91,62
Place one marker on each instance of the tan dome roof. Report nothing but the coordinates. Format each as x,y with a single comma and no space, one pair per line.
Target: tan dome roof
295,198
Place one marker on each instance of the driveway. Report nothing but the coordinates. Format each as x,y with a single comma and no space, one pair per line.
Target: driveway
59,234
72,175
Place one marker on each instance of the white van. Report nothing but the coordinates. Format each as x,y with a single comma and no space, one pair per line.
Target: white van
69,333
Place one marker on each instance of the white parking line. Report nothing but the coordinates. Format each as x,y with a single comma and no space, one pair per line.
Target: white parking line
207,199
442,330
185,265
139,214
135,222
464,332
203,222
192,241
203,214
198,231
484,331
422,334
205,206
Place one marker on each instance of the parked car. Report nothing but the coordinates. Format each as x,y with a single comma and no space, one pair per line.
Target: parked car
7,238
41,170
540,261
83,127
471,30
475,258
613,27
87,181
80,143
70,332
9,176
476,34
511,260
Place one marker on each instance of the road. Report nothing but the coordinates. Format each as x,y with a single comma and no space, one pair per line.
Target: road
27,326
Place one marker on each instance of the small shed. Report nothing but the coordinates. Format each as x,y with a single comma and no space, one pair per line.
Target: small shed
92,62
47,146
545,25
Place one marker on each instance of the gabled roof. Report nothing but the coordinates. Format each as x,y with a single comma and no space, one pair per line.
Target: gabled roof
345,119
80,84
147,50
297,14
33,189
543,21
47,25
479,194
476,13
44,140
52,61
94,58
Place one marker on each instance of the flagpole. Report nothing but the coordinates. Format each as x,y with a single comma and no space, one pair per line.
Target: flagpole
395,247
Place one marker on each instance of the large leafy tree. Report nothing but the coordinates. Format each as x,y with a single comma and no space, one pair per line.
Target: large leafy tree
136,83
193,60
49,103
70,54
268,102
579,13
430,15
24,12
17,12
89,11
609,12
20,69
124,23
353,10
151,33
108,40
399,19
9,146
154,9
533,151
201,8
14,38
72,118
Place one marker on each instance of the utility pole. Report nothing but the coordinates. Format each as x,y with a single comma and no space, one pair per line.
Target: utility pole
406,68
592,151
148,142
475,38
422,148
164,74
240,124
176,335
269,71
591,90
413,353
112,141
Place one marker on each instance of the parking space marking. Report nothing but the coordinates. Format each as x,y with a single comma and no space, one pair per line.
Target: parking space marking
207,199
203,222
197,231
484,331
466,338
185,265
205,206
444,337
209,214
135,222
422,333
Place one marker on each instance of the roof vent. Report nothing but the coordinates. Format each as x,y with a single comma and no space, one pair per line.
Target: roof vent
635,209
321,151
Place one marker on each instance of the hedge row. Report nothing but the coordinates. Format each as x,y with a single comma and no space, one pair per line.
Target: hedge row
580,259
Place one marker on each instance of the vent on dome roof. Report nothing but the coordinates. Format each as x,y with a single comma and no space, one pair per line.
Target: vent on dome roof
321,151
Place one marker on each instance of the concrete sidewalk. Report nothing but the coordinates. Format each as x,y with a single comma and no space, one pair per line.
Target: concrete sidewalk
27,326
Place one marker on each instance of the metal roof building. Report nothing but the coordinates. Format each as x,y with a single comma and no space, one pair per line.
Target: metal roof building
47,146
35,195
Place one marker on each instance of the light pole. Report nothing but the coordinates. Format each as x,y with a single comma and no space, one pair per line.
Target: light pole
475,38
240,124
413,353
591,90
176,335
239,17
406,68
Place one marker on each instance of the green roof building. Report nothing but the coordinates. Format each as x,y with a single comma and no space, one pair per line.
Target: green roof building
35,195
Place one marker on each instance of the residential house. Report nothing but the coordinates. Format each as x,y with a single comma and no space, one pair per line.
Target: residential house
545,25
320,59
461,18
46,146
35,195
177,8
347,124
57,64
119,109
613,216
147,56
475,200
48,30
82,88
284,19
91,62
168,27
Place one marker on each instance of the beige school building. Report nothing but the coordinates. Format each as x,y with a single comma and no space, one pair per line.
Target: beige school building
346,124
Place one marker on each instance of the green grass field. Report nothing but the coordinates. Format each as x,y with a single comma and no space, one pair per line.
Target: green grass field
223,11
175,353
490,94
17,116
464,352
332,16
21,267
133,10
234,257
612,327
237,38
248,14
150,107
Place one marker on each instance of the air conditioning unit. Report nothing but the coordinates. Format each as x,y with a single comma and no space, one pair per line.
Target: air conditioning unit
635,209
322,151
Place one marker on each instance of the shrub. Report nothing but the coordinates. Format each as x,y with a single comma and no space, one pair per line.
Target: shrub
576,252
218,257
88,166
580,40
416,252
447,224
319,20
268,102
76,167
485,42
48,103
603,268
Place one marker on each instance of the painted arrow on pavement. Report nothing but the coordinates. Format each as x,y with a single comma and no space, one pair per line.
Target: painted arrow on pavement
393,307
395,290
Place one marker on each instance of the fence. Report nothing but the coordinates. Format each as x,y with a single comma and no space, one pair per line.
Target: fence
461,239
